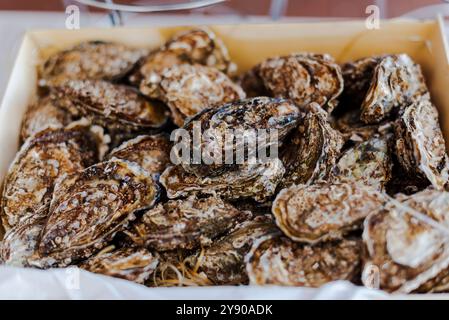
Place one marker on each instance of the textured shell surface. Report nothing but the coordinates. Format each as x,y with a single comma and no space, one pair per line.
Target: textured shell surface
277,260
132,264
257,181
199,46
90,208
324,211
397,81
41,115
152,153
368,162
312,150
185,224
223,262
278,116
304,78
420,146
188,89
409,252
110,105
29,182
90,60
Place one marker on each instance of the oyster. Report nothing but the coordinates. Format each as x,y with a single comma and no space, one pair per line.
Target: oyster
409,252
110,105
277,116
199,46
41,115
223,262
312,150
132,264
185,224
304,78
188,89
252,83
90,208
256,181
324,211
420,146
152,153
368,162
397,82
90,60
51,153
280,261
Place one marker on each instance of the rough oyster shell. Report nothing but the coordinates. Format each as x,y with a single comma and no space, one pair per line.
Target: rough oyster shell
257,181
110,105
274,115
152,153
324,211
188,89
304,78
281,261
132,264
90,208
199,46
409,253
41,115
312,150
51,153
420,146
185,224
368,163
90,60
397,82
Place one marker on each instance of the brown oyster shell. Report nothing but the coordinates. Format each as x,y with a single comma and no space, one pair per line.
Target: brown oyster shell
188,89
304,78
185,224
257,181
90,208
324,211
312,150
90,60
275,260
409,253
152,153
132,264
397,82
110,105
244,116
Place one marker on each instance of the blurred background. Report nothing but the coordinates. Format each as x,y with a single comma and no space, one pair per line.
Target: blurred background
16,16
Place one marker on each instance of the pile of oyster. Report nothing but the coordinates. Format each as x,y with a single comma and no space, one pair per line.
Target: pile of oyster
358,191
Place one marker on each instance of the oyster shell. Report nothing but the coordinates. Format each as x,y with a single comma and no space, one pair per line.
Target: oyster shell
304,78
152,153
109,105
252,83
312,150
256,181
185,224
409,253
49,154
397,82
132,264
188,89
199,46
223,262
90,208
324,211
90,60
368,162
279,116
281,261
420,146
41,115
